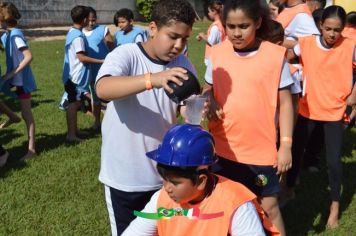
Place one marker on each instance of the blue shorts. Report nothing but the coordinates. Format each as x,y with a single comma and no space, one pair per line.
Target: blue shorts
261,180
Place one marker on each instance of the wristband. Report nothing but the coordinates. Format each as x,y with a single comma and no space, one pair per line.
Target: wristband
287,140
148,82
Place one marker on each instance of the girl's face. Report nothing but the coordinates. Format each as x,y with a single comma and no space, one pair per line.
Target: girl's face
331,30
211,13
124,24
273,10
241,30
91,22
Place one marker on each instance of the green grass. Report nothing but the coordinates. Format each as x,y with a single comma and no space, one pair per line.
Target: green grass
58,193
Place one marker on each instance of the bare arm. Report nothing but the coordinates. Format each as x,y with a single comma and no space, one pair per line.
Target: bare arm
115,87
109,41
26,61
284,159
203,37
85,59
289,43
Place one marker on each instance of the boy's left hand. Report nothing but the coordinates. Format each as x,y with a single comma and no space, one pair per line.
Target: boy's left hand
284,159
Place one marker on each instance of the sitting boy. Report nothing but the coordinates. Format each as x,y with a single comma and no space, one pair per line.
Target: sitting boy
194,201
128,33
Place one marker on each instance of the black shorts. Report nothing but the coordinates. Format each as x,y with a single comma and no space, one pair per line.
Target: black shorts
73,92
261,180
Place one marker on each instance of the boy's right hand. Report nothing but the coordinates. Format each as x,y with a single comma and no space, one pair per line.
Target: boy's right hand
161,79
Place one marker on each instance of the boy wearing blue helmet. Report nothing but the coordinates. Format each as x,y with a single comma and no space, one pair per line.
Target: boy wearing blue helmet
194,201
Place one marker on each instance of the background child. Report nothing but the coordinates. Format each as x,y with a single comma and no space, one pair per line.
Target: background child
350,27
133,78
3,156
216,31
18,72
315,4
327,70
99,44
75,69
296,20
275,7
248,76
183,159
128,33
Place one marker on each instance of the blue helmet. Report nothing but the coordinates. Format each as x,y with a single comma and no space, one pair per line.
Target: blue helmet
185,145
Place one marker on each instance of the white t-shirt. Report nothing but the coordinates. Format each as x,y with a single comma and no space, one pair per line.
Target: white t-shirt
136,124
286,77
75,66
301,25
88,33
214,36
17,58
245,221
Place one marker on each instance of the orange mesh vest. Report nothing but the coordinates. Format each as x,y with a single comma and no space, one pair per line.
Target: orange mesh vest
226,197
288,14
247,89
349,32
328,78
222,31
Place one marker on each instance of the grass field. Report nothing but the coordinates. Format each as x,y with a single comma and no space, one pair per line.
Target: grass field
58,192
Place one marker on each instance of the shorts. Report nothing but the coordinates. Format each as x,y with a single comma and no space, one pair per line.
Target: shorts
261,180
73,92
21,94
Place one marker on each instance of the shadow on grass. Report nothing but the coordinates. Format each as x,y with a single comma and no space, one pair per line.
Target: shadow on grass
308,213
14,104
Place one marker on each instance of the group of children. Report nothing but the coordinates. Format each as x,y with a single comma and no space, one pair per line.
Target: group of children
235,168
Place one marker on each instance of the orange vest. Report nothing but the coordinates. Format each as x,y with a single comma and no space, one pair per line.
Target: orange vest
222,31
288,14
349,32
247,89
226,197
328,78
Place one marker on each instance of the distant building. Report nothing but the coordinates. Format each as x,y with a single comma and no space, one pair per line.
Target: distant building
55,12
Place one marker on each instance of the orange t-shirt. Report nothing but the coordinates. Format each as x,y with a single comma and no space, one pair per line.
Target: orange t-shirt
328,78
226,197
288,14
222,36
247,90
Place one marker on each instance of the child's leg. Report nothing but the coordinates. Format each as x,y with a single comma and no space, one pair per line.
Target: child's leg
95,107
26,112
13,118
270,205
333,142
3,156
72,121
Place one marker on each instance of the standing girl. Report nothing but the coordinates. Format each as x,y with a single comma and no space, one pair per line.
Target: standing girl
247,79
327,67
19,73
216,31
99,42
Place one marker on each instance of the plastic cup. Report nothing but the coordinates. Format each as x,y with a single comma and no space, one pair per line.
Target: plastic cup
194,109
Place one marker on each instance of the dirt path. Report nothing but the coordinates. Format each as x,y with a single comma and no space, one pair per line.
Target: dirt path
53,33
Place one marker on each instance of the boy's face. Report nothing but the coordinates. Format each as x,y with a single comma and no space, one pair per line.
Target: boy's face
168,41
182,190
124,24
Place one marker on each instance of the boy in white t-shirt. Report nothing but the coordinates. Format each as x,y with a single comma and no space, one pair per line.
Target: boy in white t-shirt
134,78
75,69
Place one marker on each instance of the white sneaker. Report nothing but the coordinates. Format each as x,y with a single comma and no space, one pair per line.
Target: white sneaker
3,159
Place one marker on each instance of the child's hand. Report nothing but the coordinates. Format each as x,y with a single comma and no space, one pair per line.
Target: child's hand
213,109
161,79
7,76
284,159
200,36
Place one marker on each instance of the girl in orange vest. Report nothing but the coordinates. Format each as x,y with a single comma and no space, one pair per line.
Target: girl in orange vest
193,201
216,31
247,79
327,82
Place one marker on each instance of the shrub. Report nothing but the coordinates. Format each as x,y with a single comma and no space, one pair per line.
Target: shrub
144,7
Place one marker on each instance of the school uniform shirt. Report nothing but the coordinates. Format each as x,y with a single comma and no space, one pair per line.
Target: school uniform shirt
297,21
75,66
136,124
240,215
246,84
19,43
327,77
